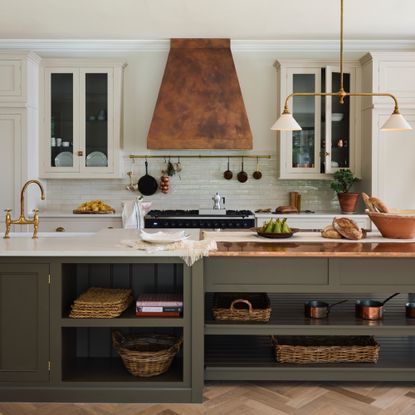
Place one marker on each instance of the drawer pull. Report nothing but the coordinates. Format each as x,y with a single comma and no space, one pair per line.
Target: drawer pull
60,229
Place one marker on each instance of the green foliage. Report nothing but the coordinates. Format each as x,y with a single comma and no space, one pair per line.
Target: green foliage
343,181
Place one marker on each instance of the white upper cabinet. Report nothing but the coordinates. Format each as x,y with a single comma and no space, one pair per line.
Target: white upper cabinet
389,168
330,135
81,123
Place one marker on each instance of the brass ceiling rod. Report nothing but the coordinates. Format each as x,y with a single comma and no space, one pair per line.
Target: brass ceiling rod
396,122
198,156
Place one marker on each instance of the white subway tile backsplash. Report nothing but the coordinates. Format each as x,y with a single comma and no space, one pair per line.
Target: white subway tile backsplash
199,180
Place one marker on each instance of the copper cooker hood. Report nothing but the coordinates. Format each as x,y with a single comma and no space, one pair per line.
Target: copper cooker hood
200,104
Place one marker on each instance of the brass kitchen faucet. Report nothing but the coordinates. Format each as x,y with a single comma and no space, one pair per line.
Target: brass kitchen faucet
22,219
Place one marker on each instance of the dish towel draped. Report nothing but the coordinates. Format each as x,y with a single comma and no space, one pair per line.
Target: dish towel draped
133,214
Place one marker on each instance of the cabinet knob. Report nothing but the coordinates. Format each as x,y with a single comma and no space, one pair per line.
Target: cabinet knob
80,153
60,229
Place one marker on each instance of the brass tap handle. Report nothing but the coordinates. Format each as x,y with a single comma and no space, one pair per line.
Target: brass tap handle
35,223
8,222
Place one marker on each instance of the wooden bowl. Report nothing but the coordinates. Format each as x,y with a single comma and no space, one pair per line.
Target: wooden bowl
394,225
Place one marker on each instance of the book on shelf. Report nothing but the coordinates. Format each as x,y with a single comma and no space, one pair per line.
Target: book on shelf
159,309
159,300
156,314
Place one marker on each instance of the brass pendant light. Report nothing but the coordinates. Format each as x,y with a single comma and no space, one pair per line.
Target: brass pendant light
396,122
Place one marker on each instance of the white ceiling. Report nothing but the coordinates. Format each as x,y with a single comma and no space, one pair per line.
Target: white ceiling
237,19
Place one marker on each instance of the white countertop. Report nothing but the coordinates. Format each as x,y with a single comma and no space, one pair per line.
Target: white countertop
104,243
69,214
317,214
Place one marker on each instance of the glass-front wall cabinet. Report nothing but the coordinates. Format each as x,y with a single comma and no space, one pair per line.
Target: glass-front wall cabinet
82,122
327,140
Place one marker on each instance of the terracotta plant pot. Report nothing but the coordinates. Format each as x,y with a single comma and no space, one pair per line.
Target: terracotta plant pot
348,202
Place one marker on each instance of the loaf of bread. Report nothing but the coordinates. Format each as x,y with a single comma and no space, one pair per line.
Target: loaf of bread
330,233
378,205
347,228
286,209
367,202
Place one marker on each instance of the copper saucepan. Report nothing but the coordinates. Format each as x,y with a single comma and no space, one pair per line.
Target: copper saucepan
371,309
410,310
319,309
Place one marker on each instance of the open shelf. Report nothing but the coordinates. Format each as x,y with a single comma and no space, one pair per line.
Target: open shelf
111,369
127,319
252,358
89,356
288,318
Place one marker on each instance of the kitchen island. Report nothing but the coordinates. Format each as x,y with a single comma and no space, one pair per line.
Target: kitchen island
47,356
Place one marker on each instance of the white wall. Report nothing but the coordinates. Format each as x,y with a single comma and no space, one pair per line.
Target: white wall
237,19
200,179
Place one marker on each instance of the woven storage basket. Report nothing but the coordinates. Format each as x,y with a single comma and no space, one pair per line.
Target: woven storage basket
146,355
325,349
241,307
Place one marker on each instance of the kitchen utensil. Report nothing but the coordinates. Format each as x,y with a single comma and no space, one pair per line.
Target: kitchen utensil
371,309
178,167
64,159
410,310
96,159
228,174
257,174
147,185
319,309
242,176
130,187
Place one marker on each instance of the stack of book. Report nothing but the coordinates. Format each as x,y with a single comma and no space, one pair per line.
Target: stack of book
159,305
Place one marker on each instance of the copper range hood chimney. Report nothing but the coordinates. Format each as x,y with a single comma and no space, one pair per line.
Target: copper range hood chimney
200,104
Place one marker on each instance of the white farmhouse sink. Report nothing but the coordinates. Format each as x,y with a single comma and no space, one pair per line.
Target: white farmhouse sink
50,234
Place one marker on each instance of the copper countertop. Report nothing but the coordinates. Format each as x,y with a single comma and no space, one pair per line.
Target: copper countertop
317,249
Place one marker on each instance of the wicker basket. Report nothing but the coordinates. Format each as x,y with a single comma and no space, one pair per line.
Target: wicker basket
233,307
325,349
146,355
101,303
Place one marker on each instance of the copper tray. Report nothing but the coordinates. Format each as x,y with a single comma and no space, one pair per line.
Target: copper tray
91,212
275,235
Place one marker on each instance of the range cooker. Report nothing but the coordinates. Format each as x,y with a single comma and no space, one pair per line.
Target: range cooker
211,219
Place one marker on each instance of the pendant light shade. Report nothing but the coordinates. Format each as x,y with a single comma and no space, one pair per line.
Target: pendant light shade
286,122
396,122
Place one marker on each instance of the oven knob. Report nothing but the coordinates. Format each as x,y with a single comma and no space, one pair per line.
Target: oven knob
216,225
180,224
230,225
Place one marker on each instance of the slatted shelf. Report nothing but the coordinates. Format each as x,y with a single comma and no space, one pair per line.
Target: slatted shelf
127,319
111,369
251,358
288,318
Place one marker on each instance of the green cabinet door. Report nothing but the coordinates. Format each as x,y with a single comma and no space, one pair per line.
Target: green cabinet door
24,322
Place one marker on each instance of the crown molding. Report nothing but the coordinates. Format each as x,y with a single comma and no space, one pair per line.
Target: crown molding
147,45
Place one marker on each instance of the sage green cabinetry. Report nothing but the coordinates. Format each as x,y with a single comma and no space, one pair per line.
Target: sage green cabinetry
24,322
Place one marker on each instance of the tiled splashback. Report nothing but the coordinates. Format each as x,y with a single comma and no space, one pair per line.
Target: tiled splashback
199,180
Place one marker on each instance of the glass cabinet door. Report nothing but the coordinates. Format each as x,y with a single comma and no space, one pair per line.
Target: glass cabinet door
305,144
336,140
96,120
62,116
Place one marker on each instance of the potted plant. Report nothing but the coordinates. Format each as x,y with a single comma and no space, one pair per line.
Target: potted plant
343,181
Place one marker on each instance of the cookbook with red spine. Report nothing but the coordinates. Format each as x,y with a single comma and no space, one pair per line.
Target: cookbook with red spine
159,300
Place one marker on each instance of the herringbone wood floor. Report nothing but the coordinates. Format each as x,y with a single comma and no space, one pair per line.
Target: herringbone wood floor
255,399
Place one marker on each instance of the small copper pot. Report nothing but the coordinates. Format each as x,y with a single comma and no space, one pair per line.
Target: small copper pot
319,309
410,310
371,309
